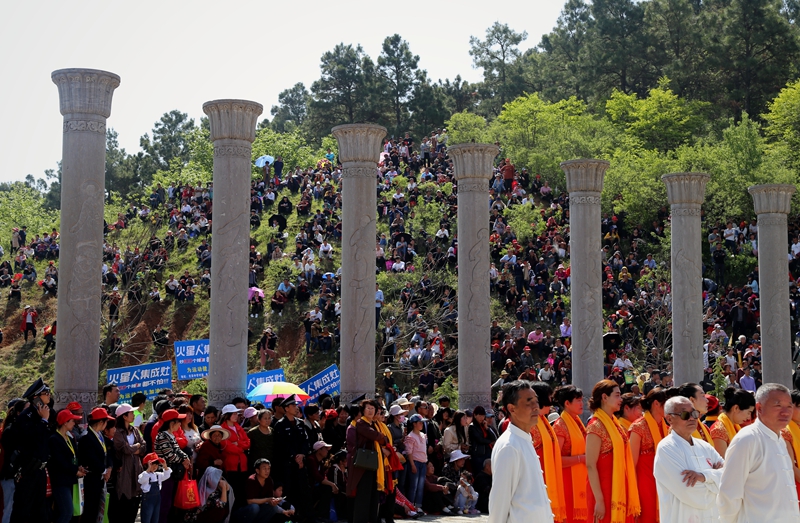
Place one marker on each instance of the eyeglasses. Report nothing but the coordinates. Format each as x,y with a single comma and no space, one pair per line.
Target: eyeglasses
685,415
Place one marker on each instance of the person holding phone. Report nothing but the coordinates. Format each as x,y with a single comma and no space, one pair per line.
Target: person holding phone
28,437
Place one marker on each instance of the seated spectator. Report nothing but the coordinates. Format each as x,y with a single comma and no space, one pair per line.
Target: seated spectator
278,302
262,503
322,489
426,382
214,494
49,286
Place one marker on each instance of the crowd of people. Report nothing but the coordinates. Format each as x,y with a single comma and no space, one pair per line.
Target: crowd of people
251,463
249,460
673,454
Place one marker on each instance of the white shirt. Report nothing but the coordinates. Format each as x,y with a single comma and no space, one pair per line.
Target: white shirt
518,493
677,502
146,478
758,479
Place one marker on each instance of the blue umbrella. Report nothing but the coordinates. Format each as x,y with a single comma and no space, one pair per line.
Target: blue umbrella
264,160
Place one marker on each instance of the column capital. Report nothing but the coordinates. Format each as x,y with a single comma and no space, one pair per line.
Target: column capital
233,119
85,91
585,174
473,160
686,188
359,142
772,197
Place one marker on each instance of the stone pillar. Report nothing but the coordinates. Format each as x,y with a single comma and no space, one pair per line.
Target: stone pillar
85,99
473,169
772,203
584,184
359,149
233,124
686,193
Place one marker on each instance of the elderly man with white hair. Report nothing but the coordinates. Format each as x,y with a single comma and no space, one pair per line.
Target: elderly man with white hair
687,469
758,479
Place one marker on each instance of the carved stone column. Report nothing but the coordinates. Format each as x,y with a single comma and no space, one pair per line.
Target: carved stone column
233,124
473,168
686,193
359,149
584,184
85,99
772,203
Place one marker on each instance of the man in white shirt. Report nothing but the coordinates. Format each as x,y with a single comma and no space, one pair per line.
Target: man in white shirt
687,470
518,493
758,479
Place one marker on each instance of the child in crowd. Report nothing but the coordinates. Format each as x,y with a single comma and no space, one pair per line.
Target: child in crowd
466,497
150,480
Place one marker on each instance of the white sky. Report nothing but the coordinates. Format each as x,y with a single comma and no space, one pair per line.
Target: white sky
179,54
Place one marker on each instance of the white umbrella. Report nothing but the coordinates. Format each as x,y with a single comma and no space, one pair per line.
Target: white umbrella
261,161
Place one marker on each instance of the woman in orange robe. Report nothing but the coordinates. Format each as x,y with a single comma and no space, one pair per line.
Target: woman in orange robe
645,435
739,406
545,443
612,493
630,411
571,434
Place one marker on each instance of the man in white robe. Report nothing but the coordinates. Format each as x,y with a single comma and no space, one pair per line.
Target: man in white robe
757,483
518,493
687,469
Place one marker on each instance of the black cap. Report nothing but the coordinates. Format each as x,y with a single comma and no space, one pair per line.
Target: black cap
37,388
291,400
358,400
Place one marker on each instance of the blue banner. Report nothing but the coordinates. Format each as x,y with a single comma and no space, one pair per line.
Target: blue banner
326,382
257,378
148,379
191,359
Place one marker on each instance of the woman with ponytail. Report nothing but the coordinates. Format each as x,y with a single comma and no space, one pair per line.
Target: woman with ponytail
545,443
739,406
571,434
612,494
645,435
630,411
791,434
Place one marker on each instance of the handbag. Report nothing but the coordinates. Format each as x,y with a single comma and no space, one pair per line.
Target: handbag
187,496
77,498
366,459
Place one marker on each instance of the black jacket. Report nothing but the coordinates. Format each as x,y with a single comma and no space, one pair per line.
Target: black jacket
93,457
63,464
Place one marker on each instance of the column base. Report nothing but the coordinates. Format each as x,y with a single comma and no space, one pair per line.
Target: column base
470,401
87,399
346,397
222,397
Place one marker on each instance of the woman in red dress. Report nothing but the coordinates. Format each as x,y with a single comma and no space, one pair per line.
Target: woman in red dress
645,435
571,435
612,494
630,411
739,407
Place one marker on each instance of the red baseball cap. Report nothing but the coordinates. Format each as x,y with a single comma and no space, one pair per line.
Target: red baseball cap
171,414
99,414
74,405
152,457
65,415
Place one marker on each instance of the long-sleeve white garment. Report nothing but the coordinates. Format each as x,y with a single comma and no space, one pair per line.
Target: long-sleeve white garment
518,493
757,483
678,502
